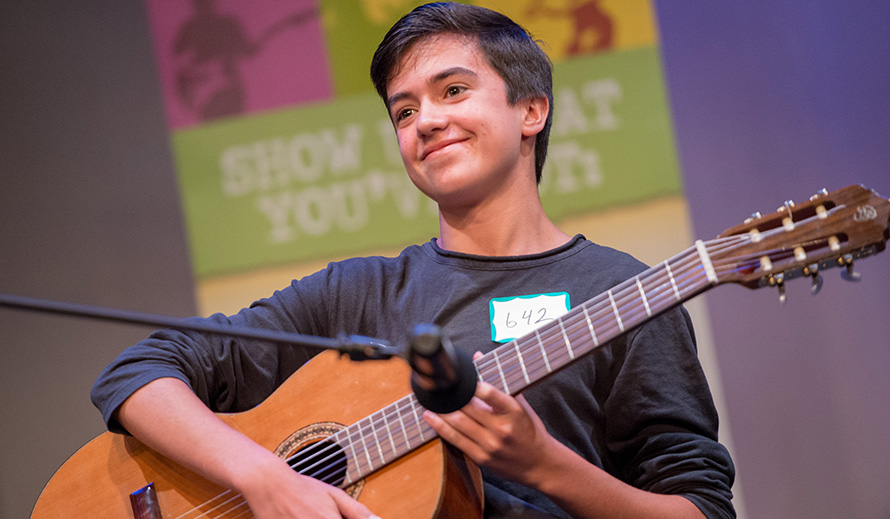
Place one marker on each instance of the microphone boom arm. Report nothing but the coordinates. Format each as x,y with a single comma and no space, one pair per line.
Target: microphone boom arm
356,346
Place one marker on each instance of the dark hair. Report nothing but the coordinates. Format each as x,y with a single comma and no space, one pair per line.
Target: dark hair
509,49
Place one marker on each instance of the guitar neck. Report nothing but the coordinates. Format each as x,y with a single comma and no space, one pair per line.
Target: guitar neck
386,435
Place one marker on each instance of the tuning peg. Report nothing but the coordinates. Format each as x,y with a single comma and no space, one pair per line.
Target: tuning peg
778,281
754,216
813,271
848,273
819,194
817,284
786,206
787,222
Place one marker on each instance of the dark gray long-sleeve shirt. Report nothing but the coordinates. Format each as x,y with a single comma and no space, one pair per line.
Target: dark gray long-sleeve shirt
639,407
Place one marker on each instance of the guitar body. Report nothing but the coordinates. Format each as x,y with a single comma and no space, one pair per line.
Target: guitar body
434,481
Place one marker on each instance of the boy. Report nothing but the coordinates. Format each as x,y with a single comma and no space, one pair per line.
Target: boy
627,431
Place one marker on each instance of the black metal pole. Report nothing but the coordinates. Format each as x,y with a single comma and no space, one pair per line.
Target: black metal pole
357,347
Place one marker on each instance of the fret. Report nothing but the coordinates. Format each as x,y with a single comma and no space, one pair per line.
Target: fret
643,295
543,351
667,268
521,362
404,431
340,442
590,326
365,445
389,433
417,422
615,310
355,456
497,361
377,441
566,337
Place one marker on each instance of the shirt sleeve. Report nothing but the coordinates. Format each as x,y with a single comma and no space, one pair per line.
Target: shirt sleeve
228,374
661,425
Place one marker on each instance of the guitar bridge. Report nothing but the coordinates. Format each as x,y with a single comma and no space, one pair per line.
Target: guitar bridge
145,503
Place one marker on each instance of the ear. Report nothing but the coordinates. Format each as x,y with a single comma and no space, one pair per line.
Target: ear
535,115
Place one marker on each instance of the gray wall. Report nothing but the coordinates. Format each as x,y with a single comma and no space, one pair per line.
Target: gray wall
89,213
771,100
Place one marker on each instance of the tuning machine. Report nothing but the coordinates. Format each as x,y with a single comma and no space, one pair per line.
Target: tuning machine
848,273
778,281
812,270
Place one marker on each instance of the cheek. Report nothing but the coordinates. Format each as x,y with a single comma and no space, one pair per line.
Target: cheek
405,144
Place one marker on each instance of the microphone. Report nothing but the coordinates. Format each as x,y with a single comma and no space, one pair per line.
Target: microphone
444,379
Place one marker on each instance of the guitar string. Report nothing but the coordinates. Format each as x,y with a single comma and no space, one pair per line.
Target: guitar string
216,507
623,289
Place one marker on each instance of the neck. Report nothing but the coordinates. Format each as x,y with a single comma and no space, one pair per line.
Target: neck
500,227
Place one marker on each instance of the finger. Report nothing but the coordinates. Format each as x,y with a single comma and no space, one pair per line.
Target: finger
350,508
458,430
498,401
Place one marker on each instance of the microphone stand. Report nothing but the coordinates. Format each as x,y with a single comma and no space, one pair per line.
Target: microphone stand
356,346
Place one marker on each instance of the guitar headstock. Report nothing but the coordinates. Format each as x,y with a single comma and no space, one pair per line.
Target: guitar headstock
829,230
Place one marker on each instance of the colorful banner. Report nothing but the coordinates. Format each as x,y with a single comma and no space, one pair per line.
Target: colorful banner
320,174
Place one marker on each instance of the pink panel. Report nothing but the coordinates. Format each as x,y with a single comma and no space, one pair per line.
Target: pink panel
224,58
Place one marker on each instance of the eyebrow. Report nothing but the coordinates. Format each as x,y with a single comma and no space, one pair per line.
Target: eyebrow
445,74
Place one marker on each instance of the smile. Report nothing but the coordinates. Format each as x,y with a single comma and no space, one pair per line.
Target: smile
438,146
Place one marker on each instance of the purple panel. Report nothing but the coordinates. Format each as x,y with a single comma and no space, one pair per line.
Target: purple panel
773,101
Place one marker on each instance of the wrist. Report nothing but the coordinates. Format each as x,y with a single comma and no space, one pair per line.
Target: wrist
548,470
250,474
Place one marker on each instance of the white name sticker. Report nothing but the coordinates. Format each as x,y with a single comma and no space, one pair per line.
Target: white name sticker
513,317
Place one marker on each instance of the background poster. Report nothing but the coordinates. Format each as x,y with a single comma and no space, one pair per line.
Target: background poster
289,171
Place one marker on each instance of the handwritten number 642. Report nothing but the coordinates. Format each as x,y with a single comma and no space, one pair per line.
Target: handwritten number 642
528,316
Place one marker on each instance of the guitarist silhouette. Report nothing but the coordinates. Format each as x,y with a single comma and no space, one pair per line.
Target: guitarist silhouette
209,49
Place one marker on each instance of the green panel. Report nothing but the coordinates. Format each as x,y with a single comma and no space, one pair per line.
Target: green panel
611,141
354,28
297,184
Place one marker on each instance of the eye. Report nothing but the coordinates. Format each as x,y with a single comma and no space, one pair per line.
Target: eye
404,113
454,90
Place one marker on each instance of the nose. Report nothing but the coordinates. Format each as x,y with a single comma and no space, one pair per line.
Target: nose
430,118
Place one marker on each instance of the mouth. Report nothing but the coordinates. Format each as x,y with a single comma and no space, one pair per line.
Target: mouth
440,145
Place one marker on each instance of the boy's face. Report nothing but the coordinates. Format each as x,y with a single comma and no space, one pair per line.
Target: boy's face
460,140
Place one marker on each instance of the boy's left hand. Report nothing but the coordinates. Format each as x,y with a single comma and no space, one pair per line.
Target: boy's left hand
497,431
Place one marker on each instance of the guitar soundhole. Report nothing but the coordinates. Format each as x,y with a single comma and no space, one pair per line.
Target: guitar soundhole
321,460
310,453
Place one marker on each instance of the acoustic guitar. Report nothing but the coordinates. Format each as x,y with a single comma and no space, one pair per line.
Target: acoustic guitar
370,439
